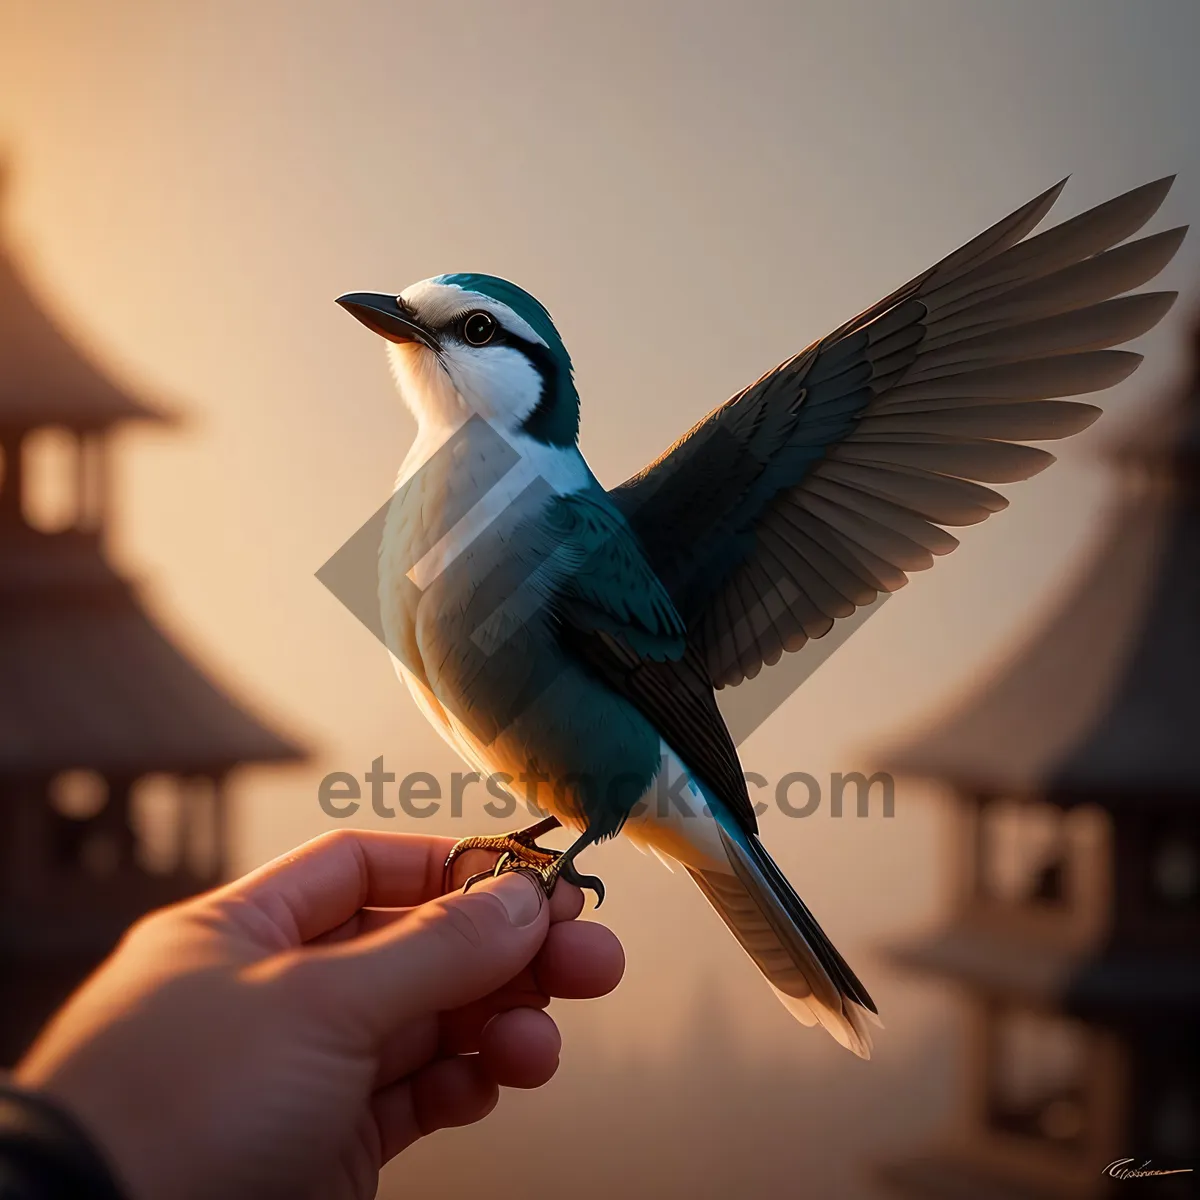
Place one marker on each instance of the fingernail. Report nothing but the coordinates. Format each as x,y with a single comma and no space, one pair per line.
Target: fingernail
521,896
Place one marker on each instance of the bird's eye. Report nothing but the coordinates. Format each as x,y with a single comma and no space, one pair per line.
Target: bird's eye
479,328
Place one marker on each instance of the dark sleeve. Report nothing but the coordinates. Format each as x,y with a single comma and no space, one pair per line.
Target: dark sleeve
44,1155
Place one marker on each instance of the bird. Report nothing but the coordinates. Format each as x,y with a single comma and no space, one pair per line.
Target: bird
554,629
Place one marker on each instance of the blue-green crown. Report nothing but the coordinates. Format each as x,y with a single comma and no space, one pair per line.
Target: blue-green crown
556,418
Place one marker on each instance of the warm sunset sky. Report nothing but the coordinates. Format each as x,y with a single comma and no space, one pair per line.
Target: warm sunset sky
696,191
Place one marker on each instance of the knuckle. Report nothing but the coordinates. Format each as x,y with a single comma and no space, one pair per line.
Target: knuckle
337,838
151,927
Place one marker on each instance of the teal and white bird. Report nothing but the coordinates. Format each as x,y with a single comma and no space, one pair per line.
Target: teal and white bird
552,628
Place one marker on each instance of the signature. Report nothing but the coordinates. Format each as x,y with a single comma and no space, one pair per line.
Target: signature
1121,1169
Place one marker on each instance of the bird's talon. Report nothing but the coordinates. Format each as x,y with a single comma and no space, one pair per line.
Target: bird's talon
477,878
592,883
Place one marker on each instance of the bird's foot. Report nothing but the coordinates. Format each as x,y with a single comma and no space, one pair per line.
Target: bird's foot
519,851
593,883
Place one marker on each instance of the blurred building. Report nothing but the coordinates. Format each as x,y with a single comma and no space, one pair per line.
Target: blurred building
1075,935
114,746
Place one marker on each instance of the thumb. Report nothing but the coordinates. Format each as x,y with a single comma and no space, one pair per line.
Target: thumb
443,954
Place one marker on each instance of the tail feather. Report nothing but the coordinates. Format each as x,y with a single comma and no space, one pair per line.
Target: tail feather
776,929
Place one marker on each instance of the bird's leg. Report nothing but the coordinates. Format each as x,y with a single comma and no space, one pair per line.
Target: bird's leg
519,852
564,868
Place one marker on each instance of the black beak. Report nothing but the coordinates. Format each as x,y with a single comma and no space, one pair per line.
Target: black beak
385,316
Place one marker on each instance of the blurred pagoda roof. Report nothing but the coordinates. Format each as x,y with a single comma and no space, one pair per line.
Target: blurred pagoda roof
46,378
87,679
1102,703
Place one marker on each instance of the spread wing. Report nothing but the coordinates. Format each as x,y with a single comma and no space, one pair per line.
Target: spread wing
832,477
616,616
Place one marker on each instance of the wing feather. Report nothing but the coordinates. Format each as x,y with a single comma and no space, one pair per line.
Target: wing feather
1035,379
1088,282
800,559
892,516
1093,328
940,498
888,543
832,477
1072,241
882,575
967,458
1032,421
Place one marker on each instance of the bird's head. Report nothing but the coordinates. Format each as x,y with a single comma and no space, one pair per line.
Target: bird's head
475,344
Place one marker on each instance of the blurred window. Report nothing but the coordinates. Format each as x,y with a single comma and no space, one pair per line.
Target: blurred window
51,479
1025,853
78,795
158,819
1036,1076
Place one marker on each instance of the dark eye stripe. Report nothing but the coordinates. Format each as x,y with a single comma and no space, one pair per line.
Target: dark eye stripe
538,355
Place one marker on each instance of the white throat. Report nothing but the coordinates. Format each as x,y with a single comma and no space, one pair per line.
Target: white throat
441,410
426,389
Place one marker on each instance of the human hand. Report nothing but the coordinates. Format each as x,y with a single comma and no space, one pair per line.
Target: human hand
289,1033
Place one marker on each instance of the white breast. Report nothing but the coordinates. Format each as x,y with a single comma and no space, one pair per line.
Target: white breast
562,469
